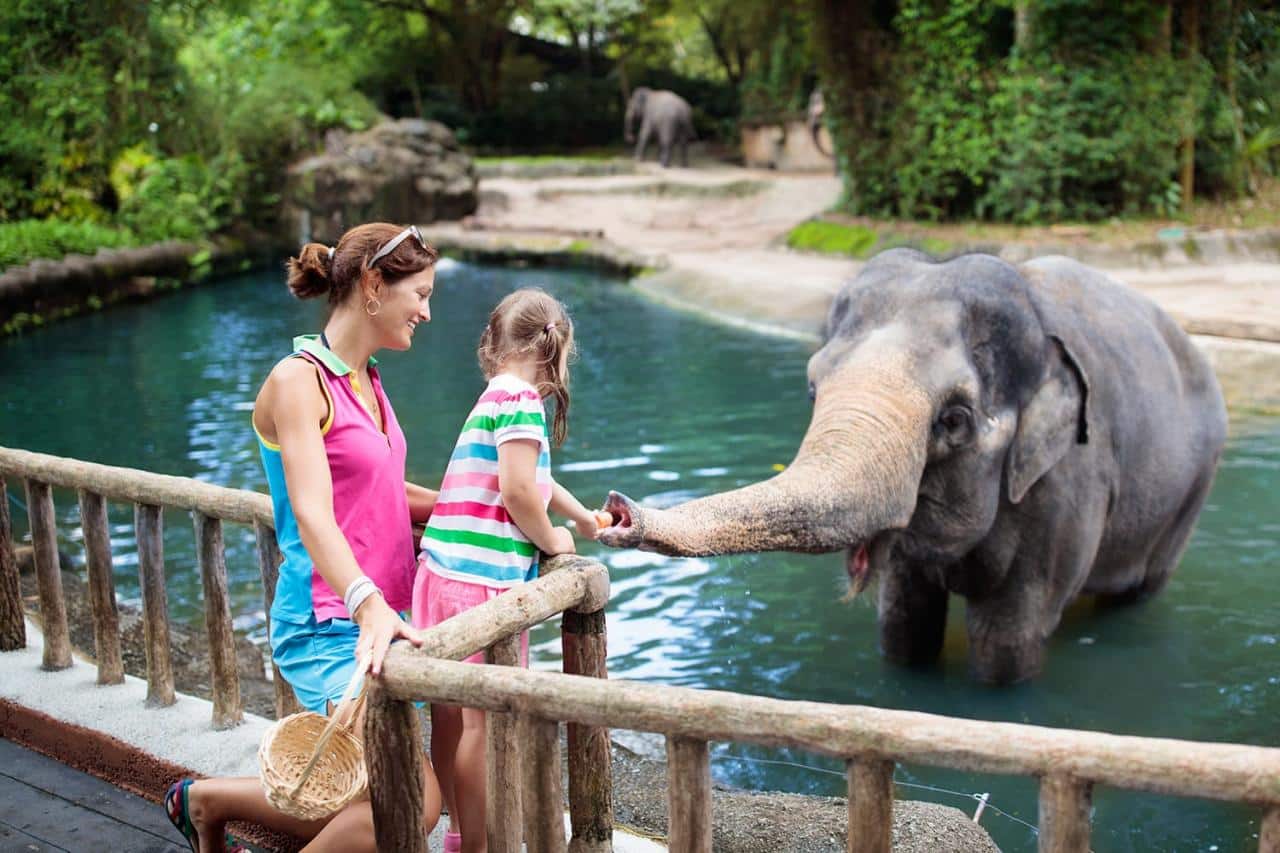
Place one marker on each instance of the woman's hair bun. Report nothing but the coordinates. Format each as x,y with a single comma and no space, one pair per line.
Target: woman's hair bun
310,273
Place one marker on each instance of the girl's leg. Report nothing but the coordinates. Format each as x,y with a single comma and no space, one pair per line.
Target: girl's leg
351,830
446,729
469,781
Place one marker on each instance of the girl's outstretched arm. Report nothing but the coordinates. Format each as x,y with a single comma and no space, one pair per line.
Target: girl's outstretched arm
564,503
421,501
517,472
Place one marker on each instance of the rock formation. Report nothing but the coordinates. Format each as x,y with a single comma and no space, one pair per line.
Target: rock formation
404,171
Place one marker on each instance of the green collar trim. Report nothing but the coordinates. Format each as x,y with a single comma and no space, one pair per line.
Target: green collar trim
311,345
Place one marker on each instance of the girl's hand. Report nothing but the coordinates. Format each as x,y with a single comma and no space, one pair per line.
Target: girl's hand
561,542
587,526
379,625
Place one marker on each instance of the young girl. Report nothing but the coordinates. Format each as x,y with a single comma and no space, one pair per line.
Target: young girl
491,521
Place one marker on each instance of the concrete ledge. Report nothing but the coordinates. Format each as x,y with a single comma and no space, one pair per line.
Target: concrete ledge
45,290
539,249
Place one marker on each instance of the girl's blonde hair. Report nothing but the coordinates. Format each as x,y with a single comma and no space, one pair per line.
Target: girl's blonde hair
532,322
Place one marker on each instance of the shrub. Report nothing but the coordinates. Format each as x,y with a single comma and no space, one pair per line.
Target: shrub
29,239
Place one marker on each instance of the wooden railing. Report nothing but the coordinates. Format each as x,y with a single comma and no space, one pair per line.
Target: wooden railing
527,707
574,586
149,493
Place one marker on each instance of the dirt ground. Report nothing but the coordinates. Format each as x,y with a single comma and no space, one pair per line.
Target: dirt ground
714,242
726,225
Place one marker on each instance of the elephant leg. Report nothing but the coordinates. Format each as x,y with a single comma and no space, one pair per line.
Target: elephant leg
1006,636
912,617
684,151
643,140
666,139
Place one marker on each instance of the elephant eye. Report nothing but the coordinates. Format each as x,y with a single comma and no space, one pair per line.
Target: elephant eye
957,422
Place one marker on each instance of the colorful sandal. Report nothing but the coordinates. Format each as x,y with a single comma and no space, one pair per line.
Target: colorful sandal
175,806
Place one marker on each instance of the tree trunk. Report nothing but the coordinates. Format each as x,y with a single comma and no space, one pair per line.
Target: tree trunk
1023,27
846,69
1191,35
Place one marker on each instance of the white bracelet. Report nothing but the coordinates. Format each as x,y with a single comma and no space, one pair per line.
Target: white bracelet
359,590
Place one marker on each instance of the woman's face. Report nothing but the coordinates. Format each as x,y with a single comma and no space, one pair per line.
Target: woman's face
405,304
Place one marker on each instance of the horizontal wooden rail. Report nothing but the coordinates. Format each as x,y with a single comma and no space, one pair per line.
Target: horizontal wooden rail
130,485
1230,772
567,583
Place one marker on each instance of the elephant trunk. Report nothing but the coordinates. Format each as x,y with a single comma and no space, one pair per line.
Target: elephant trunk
856,474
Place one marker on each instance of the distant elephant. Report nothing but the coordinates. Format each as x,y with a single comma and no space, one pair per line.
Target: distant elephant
814,116
663,113
1019,436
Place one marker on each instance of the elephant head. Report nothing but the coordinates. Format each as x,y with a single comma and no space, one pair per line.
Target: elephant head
939,397
635,111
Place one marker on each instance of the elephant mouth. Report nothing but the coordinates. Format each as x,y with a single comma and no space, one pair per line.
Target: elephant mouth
861,560
857,565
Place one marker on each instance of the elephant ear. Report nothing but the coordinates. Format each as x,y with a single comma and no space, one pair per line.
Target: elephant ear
1054,420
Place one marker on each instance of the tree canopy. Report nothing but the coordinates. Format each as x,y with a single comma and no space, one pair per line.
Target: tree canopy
177,117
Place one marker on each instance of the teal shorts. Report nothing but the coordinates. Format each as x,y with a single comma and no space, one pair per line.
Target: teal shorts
316,658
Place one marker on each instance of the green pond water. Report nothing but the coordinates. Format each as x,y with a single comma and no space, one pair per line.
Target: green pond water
667,407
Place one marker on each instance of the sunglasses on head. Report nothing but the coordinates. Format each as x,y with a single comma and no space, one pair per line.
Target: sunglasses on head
390,246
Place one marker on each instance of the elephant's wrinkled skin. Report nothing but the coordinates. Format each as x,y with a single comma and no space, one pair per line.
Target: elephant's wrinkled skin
661,113
1018,436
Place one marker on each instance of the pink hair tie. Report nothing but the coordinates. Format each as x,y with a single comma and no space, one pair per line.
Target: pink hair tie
549,326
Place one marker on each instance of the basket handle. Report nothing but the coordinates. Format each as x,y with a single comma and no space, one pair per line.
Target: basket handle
356,678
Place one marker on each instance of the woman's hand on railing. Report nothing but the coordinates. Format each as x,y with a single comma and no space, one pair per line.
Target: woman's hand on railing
379,627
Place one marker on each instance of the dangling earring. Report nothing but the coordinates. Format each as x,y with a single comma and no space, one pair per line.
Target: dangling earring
372,301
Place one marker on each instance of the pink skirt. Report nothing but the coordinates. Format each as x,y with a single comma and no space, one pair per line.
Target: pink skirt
437,598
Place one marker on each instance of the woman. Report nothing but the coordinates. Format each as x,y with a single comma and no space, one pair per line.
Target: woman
334,456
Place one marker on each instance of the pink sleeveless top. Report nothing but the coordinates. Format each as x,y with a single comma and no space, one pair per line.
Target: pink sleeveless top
367,465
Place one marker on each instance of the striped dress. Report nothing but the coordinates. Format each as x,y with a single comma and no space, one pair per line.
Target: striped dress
470,536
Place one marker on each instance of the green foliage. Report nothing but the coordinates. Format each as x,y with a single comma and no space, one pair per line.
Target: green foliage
1070,145
30,239
175,198
946,115
818,235
269,81
79,82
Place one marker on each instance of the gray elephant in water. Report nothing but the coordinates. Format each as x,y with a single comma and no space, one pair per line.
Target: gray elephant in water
1019,436
663,113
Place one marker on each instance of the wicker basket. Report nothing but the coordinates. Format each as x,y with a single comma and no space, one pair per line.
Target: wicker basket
311,766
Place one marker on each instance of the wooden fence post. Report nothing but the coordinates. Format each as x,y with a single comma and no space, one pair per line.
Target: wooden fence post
1064,814
590,760
148,523
393,754
53,609
688,795
102,587
211,554
870,805
13,627
543,787
503,820
269,566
